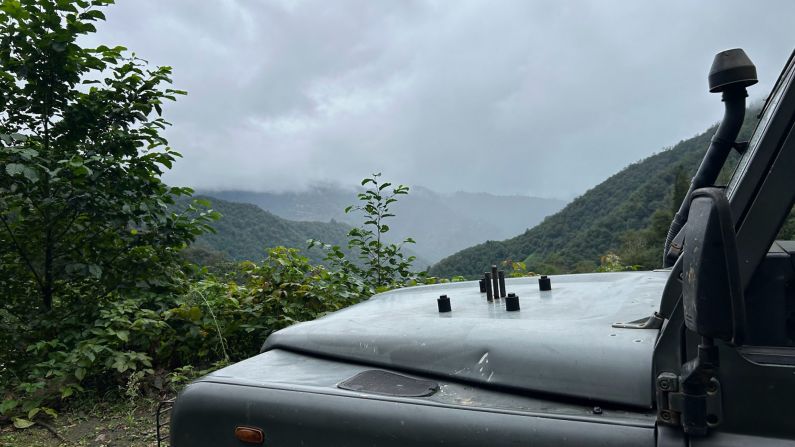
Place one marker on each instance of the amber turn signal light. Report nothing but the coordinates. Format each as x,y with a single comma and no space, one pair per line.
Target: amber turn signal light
250,435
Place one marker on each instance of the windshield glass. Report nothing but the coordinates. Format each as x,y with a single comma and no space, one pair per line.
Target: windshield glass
767,113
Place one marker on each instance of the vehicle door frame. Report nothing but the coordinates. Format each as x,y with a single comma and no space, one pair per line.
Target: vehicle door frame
755,382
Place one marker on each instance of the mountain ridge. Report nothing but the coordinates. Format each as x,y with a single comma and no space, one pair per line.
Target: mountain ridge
441,223
593,224
245,232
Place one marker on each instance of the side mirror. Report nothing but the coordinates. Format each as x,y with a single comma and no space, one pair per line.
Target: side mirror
714,305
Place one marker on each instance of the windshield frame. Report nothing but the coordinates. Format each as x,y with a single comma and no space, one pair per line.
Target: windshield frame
769,109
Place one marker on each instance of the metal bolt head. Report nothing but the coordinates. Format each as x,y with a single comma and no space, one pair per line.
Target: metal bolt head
597,410
664,384
665,415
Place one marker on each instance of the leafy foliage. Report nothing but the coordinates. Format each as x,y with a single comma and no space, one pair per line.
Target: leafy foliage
155,339
612,262
88,245
81,200
381,265
147,341
385,264
642,248
516,269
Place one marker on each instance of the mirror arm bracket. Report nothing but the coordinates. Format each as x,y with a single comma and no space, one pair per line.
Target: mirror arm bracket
655,321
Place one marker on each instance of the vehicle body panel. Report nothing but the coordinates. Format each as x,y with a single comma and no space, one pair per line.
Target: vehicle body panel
295,400
533,377
560,342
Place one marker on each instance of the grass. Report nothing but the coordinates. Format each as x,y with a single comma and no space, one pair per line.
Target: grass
108,423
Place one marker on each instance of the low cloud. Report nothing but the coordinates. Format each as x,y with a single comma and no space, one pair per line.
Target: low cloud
544,98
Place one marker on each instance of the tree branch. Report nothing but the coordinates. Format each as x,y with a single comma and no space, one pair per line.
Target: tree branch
21,251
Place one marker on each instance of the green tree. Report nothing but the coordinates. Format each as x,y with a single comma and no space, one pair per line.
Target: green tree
81,200
637,248
642,247
380,265
384,264
680,187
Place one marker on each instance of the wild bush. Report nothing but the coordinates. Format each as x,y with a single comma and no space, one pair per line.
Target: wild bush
379,265
146,340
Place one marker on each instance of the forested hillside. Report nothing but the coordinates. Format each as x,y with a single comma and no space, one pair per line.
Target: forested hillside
245,231
440,223
626,214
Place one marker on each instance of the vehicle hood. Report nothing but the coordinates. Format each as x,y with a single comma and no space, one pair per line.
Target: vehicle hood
560,342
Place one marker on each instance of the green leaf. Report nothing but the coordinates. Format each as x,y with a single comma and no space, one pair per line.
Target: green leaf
66,392
194,313
31,174
120,364
22,423
28,154
80,373
7,405
14,9
14,169
93,14
95,270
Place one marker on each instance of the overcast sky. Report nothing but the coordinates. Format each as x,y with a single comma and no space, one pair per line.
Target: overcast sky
544,98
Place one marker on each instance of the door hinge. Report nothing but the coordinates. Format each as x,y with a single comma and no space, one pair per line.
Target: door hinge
695,413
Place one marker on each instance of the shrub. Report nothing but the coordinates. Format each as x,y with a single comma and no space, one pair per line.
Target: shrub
379,265
133,340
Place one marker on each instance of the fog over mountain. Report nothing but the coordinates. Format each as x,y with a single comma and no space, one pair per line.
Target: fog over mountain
441,224
542,98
